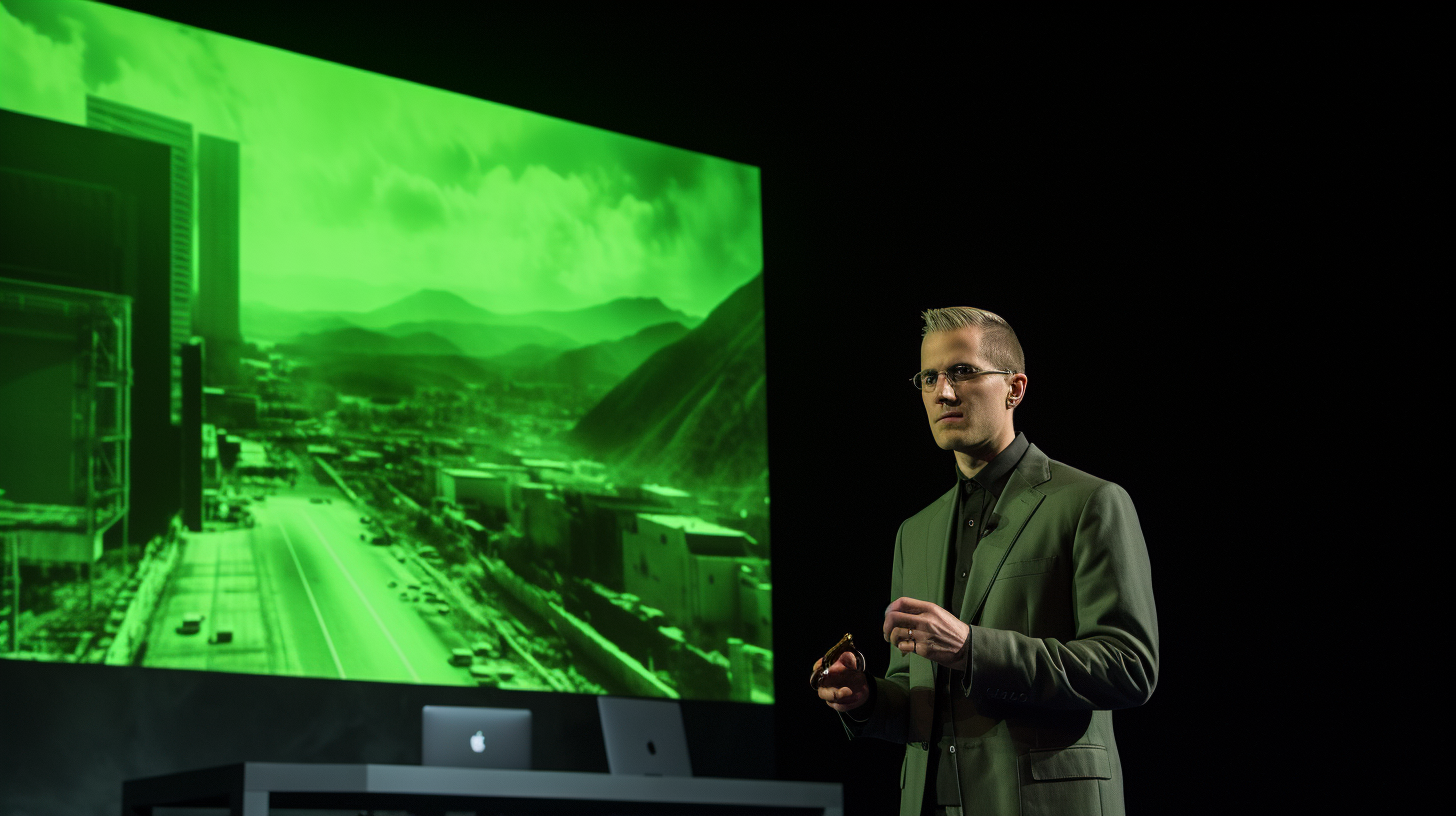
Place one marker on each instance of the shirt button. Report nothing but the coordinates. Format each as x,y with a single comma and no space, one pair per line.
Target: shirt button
964,573
952,748
970,522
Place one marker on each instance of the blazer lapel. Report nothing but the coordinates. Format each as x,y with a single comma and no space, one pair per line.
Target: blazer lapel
1017,503
938,531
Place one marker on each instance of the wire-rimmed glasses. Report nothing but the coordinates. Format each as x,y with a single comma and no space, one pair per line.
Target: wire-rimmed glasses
928,379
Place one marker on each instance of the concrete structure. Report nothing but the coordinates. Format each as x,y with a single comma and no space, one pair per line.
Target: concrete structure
689,568
487,489
251,453
542,518
226,408
755,609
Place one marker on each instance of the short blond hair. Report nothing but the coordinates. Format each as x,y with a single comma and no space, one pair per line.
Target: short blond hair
998,341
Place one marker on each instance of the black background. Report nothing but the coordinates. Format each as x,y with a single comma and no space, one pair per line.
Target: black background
1214,236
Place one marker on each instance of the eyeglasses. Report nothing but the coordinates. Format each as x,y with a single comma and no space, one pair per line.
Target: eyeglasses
928,379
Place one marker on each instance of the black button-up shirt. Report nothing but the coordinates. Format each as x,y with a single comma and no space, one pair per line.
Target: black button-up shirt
975,502
975,499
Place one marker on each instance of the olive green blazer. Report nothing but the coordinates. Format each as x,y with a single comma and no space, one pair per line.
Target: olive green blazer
1063,630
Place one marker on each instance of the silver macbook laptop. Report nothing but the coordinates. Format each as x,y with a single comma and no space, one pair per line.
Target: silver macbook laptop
469,737
644,737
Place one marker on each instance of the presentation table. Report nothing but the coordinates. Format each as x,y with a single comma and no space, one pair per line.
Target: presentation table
251,788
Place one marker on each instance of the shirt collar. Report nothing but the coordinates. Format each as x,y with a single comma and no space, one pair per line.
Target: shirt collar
993,476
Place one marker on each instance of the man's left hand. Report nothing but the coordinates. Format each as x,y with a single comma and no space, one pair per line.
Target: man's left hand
929,631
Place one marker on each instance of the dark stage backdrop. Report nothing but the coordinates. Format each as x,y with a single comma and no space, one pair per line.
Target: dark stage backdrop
1198,228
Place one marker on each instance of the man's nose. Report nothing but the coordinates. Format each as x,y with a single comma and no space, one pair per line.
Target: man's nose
945,390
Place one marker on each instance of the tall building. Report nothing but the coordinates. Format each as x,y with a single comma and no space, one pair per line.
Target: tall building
87,211
114,117
217,318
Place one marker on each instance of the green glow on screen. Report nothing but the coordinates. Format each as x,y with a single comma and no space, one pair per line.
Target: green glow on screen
494,413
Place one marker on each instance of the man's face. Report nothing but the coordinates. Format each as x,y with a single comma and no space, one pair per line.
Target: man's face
971,416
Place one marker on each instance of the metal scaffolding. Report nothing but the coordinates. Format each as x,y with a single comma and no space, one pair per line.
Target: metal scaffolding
97,327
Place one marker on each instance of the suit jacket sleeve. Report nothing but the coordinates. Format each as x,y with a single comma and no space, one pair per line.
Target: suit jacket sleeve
1111,662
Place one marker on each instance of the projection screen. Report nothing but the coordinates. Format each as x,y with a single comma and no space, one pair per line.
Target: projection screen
448,392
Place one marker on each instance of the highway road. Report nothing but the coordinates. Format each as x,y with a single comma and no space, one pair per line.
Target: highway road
303,594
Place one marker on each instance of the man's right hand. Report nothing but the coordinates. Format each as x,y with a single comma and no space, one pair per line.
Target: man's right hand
845,688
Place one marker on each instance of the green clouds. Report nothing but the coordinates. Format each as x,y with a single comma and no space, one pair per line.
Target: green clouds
359,189
413,204
52,20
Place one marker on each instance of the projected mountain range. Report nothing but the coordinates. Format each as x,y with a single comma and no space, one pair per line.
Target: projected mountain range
431,337
693,414
362,341
351,361
614,360
476,331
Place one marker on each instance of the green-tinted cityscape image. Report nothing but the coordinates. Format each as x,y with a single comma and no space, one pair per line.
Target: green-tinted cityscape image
309,371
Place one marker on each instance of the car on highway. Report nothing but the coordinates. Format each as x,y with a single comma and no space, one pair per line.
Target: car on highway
493,672
191,623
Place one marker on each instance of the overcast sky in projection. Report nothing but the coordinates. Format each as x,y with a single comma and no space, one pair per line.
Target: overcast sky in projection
359,189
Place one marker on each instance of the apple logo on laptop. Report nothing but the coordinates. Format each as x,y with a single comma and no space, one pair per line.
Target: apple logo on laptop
477,742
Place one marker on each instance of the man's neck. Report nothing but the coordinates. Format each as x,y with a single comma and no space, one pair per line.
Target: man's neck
973,463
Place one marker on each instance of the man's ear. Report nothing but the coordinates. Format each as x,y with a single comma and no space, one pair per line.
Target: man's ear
1016,390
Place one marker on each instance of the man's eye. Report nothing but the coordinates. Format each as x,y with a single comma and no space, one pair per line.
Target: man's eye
927,376
960,372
